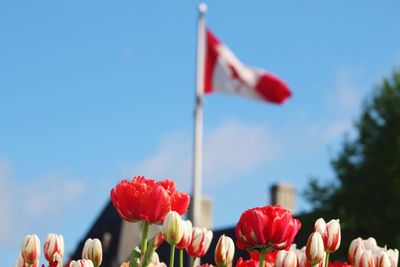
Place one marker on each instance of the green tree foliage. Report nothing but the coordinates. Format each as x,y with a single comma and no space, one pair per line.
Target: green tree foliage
366,193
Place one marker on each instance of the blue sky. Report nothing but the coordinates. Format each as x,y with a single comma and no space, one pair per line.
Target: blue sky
92,92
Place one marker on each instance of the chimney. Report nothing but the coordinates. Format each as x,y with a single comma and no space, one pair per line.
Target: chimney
284,195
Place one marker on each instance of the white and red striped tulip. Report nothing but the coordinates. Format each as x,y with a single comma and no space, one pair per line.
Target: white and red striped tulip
393,256
172,227
320,226
366,259
158,239
30,249
315,248
54,244
155,261
224,251
370,244
20,262
302,259
333,236
286,259
382,259
355,246
81,263
92,250
187,235
200,242
330,234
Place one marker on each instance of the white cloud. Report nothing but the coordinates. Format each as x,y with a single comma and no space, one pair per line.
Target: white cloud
38,199
336,129
230,150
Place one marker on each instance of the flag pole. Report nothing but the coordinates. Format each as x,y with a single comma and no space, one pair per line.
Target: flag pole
198,116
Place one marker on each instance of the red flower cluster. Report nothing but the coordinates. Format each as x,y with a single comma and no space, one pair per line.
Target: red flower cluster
270,227
339,264
144,199
247,263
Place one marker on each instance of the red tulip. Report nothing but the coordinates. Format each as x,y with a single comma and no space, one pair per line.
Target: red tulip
144,199
200,242
246,263
339,264
53,244
268,227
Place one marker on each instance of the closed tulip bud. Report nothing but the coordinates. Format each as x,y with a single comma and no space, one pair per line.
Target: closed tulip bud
383,260
370,244
224,251
320,226
315,248
30,249
172,227
158,239
302,259
355,245
393,257
332,241
81,263
20,262
286,259
187,235
366,260
53,244
200,242
92,250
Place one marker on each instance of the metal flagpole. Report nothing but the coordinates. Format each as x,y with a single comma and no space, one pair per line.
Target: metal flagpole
198,117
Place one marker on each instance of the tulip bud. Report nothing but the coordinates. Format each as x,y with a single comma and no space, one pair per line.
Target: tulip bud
172,227
200,242
92,250
187,235
286,259
370,244
81,263
355,246
320,226
366,259
20,262
224,251
158,239
393,256
315,248
53,244
30,249
302,259
382,259
332,241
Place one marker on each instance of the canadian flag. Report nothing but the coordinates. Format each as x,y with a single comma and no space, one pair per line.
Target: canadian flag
225,73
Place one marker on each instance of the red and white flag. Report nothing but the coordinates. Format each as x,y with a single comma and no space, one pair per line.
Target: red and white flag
225,73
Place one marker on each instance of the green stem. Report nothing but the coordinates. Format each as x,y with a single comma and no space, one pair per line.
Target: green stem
171,255
144,237
193,261
263,252
326,259
181,258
